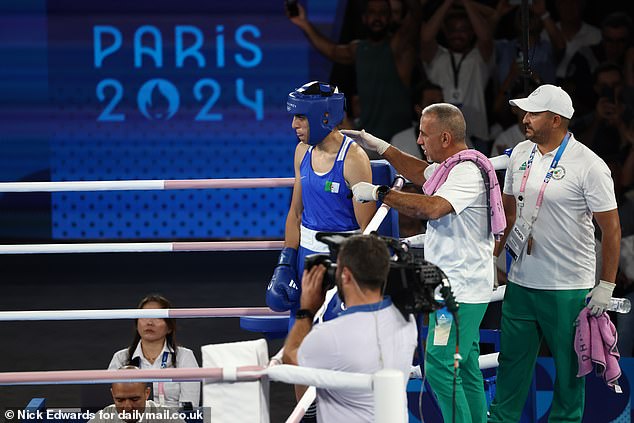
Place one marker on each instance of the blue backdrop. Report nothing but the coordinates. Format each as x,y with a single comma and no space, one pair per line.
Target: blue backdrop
155,90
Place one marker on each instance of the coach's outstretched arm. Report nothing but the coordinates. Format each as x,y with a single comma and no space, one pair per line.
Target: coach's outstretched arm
407,165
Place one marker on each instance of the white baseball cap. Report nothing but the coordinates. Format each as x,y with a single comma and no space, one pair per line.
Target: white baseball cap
546,98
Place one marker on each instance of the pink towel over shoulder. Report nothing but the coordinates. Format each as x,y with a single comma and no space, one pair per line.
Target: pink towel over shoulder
595,343
498,219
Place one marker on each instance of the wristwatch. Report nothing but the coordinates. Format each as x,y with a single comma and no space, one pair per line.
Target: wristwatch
381,192
303,313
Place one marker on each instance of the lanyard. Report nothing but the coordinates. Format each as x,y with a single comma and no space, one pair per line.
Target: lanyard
161,387
549,174
456,69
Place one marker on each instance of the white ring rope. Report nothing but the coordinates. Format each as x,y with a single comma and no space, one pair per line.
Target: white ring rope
140,247
329,379
146,185
386,384
136,313
499,163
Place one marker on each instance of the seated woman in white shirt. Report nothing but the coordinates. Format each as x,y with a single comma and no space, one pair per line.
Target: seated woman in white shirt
154,347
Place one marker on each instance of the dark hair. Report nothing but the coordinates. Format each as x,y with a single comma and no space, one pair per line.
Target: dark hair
368,259
366,3
171,324
618,20
457,13
606,67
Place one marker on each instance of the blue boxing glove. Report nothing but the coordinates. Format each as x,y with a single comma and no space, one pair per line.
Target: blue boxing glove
283,290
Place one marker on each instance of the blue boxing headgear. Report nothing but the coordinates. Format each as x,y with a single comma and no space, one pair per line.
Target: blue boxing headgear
322,104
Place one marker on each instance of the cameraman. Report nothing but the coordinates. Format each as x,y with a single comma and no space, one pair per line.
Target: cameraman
368,336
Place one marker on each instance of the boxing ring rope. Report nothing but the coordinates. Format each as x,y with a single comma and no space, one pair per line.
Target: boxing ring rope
150,184
135,313
385,384
140,247
499,163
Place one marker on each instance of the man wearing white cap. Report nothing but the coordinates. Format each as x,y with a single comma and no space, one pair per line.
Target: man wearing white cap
554,187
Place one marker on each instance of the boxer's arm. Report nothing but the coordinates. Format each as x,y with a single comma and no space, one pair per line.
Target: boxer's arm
357,169
282,292
294,216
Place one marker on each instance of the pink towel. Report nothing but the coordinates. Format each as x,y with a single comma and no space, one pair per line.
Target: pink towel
595,342
498,219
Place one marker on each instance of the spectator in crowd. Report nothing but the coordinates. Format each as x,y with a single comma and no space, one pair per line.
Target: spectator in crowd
515,133
616,33
576,32
154,347
604,129
511,136
425,94
384,63
370,335
625,281
463,67
541,52
398,11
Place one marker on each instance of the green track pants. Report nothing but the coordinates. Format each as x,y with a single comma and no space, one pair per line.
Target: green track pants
439,367
528,317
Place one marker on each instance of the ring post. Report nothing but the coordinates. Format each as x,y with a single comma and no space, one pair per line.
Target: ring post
389,397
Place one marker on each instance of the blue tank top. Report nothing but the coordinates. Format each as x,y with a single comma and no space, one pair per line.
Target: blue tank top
327,199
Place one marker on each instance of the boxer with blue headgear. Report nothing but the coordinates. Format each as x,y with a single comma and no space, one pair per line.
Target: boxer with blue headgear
326,164
321,104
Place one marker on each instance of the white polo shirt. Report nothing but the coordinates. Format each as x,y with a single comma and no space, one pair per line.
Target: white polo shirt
363,339
460,243
562,255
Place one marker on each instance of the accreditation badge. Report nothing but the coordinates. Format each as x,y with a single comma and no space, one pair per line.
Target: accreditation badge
518,237
443,327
